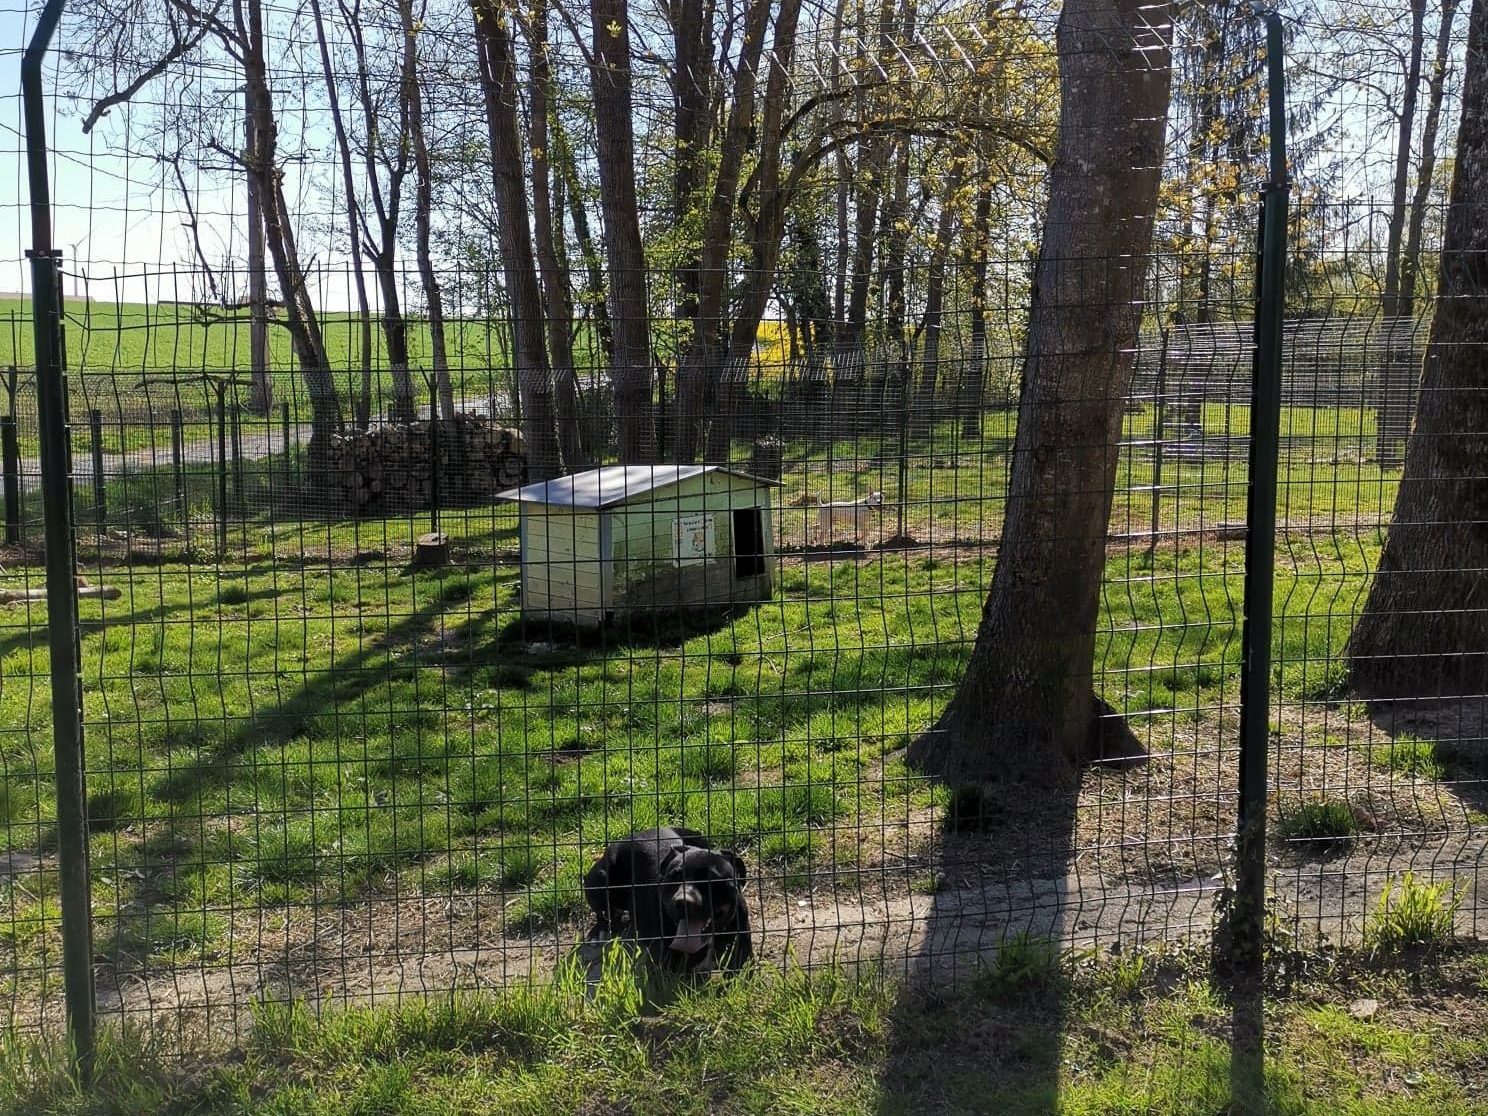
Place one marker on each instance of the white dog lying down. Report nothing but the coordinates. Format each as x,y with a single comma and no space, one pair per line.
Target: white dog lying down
853,514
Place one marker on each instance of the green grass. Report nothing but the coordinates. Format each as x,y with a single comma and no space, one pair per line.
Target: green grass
299,716
826,1042
124,358
128,338
1412,914
1409,755
1025,965
1318,821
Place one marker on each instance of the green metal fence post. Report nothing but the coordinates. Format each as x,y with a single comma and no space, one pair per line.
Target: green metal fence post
100,486
178,468
10,450
61,586
1248,914
221,491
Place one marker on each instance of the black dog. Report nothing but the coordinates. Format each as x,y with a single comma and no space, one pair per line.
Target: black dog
678,896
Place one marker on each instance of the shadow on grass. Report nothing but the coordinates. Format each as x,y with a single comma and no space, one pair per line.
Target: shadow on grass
150,912
998,1013
993,933
160,907
1440,740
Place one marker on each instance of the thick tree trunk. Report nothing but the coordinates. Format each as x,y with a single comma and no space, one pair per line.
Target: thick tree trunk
394,329
1410,256
499,84
1026,709
557,304
1424,629
630,366
865,229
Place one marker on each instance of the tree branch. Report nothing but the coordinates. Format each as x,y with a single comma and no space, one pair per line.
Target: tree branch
122,96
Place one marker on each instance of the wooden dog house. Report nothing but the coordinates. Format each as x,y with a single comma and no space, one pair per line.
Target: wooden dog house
652,539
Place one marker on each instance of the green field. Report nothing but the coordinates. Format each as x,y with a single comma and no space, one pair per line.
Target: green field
170,337
299,722
138,362
300,717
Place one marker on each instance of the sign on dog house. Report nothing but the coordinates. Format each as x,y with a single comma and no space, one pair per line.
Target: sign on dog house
628,539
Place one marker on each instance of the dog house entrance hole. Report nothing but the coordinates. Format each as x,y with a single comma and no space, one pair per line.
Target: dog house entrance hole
749,542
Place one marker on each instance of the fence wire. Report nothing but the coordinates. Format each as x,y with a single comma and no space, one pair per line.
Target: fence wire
361,711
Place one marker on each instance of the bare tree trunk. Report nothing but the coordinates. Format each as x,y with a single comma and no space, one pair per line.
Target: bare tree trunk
1392,411
975,382
261,386
300,318
630,367
872,171
353,220
413,96
844,182
1423,632
768,230
692,83
1409,96
1211,73
382,250
845,179
499,84
557,305
1410,257
922,417
895,237
1026,708
869,192
595,296
702,366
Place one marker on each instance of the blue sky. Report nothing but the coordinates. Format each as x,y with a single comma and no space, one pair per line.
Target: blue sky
110,219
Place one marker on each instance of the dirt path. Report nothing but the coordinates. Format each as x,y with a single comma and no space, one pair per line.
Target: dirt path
393,949
201,451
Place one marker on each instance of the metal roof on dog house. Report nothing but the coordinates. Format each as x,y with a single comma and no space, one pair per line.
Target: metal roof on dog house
643,538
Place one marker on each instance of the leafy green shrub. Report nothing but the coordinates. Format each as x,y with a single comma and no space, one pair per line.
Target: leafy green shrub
1413,915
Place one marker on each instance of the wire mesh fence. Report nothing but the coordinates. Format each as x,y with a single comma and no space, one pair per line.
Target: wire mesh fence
364,701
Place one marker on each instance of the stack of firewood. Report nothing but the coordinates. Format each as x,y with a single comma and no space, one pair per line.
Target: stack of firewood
392,468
